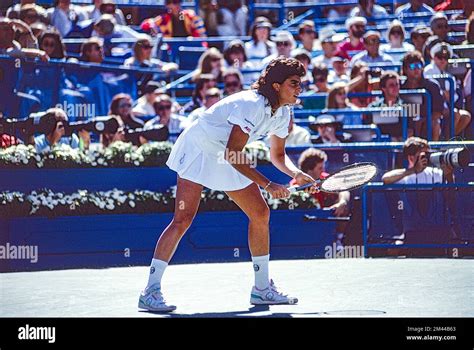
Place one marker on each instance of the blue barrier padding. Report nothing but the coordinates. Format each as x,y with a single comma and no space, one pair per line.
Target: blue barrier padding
125,240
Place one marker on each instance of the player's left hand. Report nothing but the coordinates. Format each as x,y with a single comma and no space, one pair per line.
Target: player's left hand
302,178
340,208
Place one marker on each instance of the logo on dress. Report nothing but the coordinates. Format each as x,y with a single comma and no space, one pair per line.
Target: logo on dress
181,160
247,128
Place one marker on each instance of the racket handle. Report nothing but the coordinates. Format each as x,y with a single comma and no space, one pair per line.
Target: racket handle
294,189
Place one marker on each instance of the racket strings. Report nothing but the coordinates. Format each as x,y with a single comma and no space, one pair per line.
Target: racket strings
350,178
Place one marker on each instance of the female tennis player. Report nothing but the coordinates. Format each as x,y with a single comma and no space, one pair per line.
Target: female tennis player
209,153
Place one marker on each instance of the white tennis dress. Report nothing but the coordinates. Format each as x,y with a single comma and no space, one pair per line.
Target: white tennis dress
198,154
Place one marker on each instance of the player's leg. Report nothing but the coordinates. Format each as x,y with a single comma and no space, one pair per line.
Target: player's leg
251,201
188,196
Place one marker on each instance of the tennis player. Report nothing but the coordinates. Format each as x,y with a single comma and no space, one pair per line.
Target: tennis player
209,153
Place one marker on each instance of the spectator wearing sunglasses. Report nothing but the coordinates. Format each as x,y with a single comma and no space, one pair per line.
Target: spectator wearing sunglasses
320,86
175,123
307,37
440,54
121,105
211,97
92,51
233,81
54,123
396,38
412,69
176,22
285,43
260,46
142,57
210,62
372,54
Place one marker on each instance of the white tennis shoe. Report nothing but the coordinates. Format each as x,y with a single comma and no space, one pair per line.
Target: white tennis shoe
270,296
151,299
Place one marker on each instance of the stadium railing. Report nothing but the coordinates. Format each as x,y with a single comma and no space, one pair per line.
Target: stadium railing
417,216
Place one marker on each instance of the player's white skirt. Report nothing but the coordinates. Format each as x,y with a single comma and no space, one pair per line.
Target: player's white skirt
196,158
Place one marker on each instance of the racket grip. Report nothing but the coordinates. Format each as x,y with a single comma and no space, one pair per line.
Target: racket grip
294,189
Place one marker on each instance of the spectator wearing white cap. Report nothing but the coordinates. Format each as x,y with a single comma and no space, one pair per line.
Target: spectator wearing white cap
440,27
101,7
329,41
372,53
326,126
368,9
307,37
356,28
340,70
419,34
285,43
413,6
396,36
440,54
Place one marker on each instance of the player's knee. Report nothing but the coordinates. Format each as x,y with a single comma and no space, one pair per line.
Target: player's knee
182,222
260,214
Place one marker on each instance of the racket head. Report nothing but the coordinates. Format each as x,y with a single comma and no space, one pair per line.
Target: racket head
350,177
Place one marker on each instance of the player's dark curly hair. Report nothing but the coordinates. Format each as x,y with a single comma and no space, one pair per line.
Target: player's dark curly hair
277,71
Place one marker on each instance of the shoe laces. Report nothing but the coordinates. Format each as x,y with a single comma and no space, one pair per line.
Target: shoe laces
273,288
157,295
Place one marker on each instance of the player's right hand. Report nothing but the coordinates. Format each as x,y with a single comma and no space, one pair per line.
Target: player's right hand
278,191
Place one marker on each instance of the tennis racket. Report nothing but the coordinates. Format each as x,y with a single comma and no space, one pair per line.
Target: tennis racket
346,179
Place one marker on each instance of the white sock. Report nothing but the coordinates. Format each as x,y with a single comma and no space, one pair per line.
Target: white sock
157,268
260,266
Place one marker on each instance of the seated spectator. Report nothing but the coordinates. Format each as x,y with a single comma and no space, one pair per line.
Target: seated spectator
235,57
337,99
320,86
208,12
372,53
389,122
340,67
413,6
232,18
368,9
285,43
329,41
412,68
429,44
203,83
441,53
312,162
233,81
176,22
10,47
142,57
29,14
24,35
260,46
106,27
305,58
416,151
211,97
121,105
466,6
307,37
144,106
210,62
419,35
361,83
92,51
38,28
101,7
355,27
326,126
298,136
174,122
53,124
65,16
13,12
51,43
396,38
440,27
469,31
